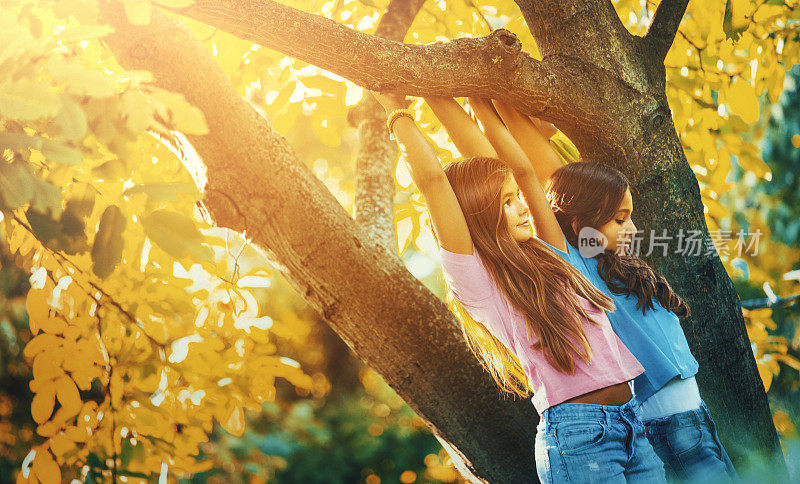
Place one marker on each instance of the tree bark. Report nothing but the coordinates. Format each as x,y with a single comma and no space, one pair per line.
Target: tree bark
387,317
602,86
375,187
490,66
629,126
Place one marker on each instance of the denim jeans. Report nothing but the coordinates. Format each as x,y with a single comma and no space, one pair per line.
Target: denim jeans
688,444
585,442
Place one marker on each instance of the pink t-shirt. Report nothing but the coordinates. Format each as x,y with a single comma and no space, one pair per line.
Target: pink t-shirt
611,362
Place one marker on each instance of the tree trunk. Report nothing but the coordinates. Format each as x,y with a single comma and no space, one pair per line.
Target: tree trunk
389,319
602,86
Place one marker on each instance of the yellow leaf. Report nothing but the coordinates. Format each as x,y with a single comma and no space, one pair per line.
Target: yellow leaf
179,113
789,360
176,234
48,429
42,404
77,434
404,227
324,84
739,11
116,389
54,325
741,99
84,32
46,468
41,343
60,444
46,366
753,163
139,115
38,309
233,419
175,3
783,424
138,11
327,132
68,396
765,374
81,81
775,84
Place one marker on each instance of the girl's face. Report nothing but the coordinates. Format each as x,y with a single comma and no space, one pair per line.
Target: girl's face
515,211
620,229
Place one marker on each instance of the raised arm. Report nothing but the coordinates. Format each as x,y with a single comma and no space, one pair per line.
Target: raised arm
465,133
512,154
533,139
446,215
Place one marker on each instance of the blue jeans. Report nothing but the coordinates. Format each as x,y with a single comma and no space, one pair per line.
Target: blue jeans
688,444
585,442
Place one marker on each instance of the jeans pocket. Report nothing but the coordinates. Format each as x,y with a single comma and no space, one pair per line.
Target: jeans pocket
579,437
685,439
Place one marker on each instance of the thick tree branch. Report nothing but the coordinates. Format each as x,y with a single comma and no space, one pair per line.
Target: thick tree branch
664,26
385,315
397,19
488,66
375,188
589,30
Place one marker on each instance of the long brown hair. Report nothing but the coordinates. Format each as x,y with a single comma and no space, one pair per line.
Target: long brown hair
530,275
589,194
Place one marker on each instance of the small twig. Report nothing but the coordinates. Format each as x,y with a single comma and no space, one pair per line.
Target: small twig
789,302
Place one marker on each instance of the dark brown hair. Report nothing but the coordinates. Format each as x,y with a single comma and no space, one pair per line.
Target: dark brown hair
589,194
533,278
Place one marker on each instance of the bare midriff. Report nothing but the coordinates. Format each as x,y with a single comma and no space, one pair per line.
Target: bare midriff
616,395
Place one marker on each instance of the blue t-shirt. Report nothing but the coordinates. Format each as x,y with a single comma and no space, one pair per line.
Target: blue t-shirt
655,338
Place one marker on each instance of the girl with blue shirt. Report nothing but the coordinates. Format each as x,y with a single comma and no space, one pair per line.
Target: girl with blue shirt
593,205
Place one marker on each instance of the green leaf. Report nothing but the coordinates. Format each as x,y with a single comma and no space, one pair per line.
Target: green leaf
732,24
20,141
72,238
162,192
71,119
108,242
81,81
59,153
44,227
46,197
16,184
81,203
26,99
176,234
139,114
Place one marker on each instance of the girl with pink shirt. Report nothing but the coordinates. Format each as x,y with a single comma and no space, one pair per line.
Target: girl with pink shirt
531,318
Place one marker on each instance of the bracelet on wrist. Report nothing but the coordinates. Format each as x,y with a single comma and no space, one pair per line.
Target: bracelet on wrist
394,116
